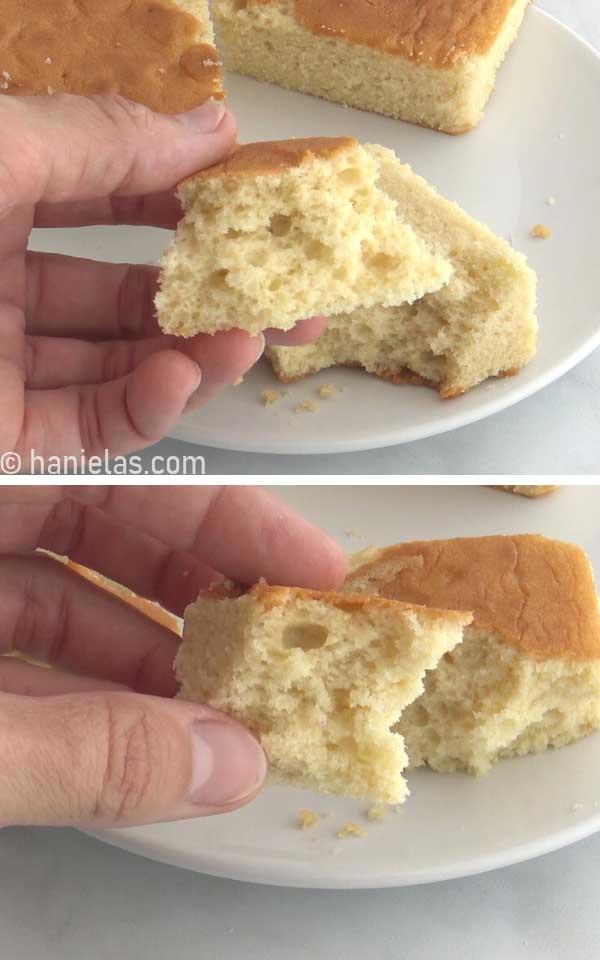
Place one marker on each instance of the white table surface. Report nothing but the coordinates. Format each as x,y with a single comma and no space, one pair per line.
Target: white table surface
555,431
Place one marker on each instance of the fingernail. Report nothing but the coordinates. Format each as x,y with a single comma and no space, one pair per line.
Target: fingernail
229,763
263,344
204,119
198,379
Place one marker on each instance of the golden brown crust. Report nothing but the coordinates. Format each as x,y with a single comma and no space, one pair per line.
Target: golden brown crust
436,33
152,52
274,596
152,610
273,156
537,594
399,377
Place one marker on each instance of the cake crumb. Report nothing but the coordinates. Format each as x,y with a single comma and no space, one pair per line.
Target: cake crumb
551,201
237,382
268,397
540,232
307,406
50,91
376,813
48,60
351,829
577,805
4,85
561,136
327,391
307,819
6,74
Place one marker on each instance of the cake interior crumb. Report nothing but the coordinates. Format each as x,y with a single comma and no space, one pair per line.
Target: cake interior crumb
551,201
269,397
307,819
541,232
351,829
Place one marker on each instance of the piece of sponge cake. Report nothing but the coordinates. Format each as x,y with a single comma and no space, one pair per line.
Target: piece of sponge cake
161,54
432,62
480,324
527,675
531,492
289,229
318,677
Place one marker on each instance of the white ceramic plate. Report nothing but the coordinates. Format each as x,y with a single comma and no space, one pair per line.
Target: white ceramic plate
451,825
540,138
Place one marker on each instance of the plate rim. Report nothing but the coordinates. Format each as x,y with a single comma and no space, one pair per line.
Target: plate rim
267,872
487,408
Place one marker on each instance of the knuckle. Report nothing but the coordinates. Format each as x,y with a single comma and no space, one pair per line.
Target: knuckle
90,422
135,300
64,527
129,763
119,360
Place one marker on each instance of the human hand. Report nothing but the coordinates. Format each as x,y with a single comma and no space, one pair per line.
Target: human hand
97,741
83,365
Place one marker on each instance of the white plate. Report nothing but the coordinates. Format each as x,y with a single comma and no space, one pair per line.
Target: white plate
451,825
540,138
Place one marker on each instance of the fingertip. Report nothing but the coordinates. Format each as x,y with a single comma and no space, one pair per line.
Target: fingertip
335,566
224,358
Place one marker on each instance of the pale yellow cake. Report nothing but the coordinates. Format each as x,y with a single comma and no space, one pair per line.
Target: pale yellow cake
531,491
161,54
289,229
527,675
432,62
480,324
318,677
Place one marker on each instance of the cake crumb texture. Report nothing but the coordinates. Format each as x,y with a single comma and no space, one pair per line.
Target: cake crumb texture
351,829
431,62
327,391
289,229
159,53
376,813
532,491
307,819
480,324
318,677
527,674
541,232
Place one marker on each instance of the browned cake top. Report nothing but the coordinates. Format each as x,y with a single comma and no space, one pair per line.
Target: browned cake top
528,491
273,156
270,597
434,32
147,607
152,52
537,594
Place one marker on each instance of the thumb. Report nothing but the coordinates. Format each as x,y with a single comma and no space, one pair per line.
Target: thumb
117,759
66,147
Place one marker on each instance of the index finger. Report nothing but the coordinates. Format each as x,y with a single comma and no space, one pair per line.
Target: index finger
153,210
244,533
